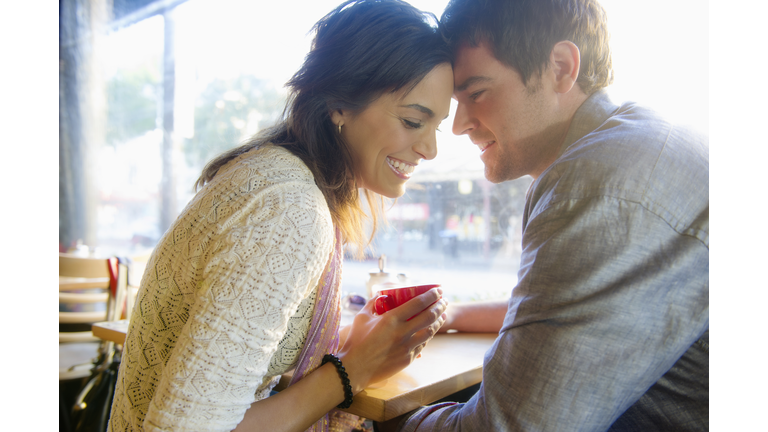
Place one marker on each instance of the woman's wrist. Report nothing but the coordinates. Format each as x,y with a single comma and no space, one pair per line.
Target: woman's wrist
348,395
357,376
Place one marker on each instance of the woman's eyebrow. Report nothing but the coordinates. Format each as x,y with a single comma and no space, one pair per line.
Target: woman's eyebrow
421,108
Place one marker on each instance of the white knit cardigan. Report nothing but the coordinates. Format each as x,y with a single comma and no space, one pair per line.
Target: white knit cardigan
210,332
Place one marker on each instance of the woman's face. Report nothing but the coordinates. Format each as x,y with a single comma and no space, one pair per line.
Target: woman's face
396,132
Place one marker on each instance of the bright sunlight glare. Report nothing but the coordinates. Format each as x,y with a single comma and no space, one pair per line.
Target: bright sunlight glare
660,48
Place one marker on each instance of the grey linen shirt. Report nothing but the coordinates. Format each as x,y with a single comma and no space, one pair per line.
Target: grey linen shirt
608,326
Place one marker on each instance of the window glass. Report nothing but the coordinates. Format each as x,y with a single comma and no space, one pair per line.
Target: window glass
229,60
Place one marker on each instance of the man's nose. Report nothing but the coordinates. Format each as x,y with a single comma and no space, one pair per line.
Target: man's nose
462,123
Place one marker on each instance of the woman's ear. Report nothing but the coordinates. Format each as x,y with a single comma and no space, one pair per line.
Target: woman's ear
337,117
565,60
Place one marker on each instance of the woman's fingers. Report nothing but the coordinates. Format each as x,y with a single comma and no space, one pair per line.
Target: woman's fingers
417,304
427,325
422,336
369,306
379,346
429,316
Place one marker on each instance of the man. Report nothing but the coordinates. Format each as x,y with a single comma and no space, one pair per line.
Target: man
608,327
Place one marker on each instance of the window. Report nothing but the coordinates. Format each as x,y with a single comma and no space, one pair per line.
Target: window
123,179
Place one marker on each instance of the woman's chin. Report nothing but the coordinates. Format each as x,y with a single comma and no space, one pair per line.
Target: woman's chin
388,193
393,193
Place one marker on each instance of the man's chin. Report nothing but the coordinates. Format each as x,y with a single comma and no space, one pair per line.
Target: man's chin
492,176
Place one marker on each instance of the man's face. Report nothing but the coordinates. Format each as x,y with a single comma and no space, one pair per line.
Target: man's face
515,126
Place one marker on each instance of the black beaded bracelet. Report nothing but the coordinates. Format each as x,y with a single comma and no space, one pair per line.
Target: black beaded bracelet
344,379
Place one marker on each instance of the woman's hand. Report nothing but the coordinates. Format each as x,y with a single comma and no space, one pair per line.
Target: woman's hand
343,333
378,346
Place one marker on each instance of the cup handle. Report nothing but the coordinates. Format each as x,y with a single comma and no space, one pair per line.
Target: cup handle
383,303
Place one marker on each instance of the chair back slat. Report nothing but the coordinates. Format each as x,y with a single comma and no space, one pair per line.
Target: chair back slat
72,266
82,317
74,283
77,337
83,284
74,298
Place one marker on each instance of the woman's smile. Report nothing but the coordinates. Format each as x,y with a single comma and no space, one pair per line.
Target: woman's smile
401,168
397,130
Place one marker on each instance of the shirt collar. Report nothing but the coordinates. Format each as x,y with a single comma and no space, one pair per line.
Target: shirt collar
591,114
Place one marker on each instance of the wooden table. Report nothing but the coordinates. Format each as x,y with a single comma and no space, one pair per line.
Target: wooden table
449,363
113,331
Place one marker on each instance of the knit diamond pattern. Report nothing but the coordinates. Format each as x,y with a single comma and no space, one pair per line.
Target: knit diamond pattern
210,330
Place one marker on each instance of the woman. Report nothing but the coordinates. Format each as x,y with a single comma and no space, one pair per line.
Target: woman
244,286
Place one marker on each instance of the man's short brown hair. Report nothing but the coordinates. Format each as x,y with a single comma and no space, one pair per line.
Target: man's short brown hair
522,34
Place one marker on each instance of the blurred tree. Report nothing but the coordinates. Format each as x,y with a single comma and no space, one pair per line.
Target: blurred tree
229,111
133,100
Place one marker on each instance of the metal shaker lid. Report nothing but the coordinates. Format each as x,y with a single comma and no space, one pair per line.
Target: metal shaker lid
382,264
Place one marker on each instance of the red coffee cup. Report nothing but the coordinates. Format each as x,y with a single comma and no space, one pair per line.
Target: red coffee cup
389,299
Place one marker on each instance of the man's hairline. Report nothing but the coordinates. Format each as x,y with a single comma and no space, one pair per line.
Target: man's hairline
468,82
479,39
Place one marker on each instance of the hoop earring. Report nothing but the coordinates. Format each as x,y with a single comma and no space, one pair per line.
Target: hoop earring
340,125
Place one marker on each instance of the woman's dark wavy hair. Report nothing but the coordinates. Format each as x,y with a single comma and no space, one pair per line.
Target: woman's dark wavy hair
361,50
522,33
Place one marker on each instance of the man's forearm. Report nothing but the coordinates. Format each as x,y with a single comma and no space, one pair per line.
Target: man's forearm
475,317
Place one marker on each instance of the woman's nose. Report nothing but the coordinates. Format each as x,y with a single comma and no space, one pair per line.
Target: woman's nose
427,148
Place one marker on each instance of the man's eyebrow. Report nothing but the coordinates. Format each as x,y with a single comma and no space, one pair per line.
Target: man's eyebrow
471,81
421,108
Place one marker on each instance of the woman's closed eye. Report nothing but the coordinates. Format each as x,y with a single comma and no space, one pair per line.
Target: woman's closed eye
410,124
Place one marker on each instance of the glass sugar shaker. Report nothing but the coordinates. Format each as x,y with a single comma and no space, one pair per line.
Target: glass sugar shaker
379,276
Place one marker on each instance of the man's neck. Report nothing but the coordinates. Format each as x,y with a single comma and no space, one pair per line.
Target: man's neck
569,104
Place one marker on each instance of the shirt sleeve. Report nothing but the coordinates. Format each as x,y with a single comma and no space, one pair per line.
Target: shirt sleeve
267,258
609,297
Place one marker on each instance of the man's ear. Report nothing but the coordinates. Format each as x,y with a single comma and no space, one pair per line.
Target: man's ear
565,60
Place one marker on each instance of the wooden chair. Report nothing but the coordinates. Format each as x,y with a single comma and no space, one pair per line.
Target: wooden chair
138,264
85,297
